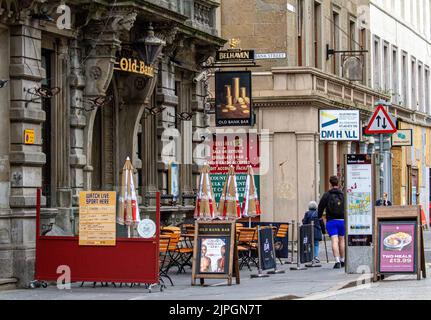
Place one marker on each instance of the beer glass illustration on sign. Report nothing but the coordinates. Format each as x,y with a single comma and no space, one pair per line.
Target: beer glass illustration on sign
233,98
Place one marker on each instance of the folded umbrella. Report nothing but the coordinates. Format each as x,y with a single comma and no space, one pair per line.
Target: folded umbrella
205,198
229,201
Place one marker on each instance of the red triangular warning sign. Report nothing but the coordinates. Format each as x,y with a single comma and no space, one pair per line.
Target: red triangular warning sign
380,123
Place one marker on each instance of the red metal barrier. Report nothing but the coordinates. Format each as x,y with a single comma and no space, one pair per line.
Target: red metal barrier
130,260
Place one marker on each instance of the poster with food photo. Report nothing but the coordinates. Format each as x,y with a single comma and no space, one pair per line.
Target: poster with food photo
397,247
213,257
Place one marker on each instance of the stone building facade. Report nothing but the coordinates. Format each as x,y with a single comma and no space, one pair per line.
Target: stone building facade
86,116
290,90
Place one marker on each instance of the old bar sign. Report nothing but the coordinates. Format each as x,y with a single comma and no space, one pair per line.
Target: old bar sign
134,66
128,61
234,55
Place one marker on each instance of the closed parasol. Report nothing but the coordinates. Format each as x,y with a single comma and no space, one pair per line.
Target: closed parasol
228,207
250,204
128,214
205,204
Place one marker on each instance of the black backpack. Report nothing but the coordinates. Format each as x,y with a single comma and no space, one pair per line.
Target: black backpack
336,204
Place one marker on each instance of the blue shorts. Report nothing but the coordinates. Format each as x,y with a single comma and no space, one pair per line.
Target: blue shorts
336,228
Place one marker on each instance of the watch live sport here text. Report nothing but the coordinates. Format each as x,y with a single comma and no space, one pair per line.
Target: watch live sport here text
97,198
97,215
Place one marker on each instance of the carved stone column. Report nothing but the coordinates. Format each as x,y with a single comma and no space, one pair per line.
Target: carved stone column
150,156
26,160
78,121
169,150
136,92
6,254
102,41
98,72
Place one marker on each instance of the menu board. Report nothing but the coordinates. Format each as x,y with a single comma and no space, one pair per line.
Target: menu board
214,253
397,247
359,199
266,248
97,212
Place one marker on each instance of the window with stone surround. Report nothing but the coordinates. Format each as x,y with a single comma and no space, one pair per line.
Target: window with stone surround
395,75
427,90
404,79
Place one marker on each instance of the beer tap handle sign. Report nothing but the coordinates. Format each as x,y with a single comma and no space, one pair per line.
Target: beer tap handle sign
233,98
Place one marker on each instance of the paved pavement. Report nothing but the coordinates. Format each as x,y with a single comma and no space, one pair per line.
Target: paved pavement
397,287
313,283
392,288
291,284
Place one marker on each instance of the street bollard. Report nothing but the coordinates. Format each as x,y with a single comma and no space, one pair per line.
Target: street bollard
312,264
290,259
259,272
298,259
275,271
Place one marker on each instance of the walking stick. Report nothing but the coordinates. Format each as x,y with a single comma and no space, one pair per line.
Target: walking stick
326,249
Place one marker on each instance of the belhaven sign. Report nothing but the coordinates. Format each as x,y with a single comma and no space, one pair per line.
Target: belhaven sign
234,55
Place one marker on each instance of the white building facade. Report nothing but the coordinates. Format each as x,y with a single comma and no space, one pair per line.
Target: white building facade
401,67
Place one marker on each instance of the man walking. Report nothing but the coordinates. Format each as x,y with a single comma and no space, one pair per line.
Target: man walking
385,202
333,203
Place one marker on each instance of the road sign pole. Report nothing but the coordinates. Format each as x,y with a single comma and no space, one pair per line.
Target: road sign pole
381,124
382,171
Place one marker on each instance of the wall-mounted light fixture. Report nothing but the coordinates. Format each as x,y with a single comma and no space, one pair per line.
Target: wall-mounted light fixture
183,116
39,93
98,102
150,46
42,14
3,83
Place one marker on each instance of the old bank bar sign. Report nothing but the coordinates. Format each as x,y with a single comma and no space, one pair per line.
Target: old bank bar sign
234,105
127,61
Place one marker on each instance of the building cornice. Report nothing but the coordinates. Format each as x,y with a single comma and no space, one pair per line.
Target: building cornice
328,76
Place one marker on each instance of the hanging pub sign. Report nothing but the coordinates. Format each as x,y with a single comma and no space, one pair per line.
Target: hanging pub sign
359,195
215,254
234,106
234,55
128,61
97,215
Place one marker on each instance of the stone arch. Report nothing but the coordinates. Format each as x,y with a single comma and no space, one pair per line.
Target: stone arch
130,116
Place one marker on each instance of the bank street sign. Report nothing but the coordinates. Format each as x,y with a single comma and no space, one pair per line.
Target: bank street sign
339,125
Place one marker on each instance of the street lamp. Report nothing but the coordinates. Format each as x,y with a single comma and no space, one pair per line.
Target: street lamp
149,47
